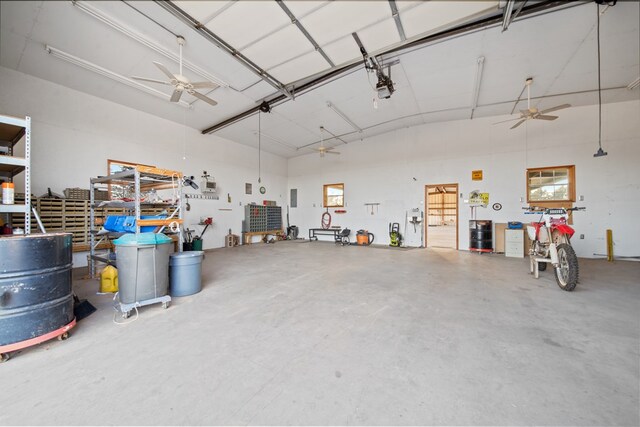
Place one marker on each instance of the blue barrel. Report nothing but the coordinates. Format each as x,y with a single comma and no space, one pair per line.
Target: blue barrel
186,273
35,285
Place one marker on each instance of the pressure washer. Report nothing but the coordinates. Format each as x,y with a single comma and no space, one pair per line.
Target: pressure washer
394,234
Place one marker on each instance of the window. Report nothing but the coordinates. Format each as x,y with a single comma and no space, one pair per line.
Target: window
333,195
552,184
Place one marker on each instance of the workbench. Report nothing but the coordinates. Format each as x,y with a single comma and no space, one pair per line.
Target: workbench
247,236
315,232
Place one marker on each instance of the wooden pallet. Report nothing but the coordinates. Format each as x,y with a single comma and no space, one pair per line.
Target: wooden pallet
72,216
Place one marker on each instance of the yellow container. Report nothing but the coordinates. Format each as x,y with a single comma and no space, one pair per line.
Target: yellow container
109,280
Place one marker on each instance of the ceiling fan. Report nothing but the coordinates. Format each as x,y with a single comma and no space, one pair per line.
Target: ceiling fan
322,149
532,113
180,82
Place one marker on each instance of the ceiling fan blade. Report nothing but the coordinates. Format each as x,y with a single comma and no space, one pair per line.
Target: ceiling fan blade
204,85
144,79
518,124
505,121
203,97
543,117
559,107
175,96
164,70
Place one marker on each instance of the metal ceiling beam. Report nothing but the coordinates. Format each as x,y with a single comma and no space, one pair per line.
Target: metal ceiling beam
518,10
426,113
396,17
333,136
304,31
226,47
542,7
281,98
508,14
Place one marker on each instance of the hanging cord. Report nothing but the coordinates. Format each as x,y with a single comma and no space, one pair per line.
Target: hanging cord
326,220
259,147
599,84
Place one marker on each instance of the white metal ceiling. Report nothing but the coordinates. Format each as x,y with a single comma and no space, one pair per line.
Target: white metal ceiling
434,83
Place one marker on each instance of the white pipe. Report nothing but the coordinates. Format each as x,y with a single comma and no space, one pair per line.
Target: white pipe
476,86
344,117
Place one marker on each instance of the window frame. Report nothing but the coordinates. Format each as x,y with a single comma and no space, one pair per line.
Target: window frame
571,185
325,187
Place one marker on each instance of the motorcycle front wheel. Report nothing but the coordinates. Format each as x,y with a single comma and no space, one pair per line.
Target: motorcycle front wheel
567,270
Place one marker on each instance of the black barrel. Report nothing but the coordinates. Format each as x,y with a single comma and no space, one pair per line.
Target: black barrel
35,285
480,235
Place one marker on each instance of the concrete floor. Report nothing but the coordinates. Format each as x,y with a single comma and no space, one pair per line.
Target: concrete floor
313,333
443,236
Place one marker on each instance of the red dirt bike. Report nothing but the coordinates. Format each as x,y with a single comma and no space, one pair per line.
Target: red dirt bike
551,243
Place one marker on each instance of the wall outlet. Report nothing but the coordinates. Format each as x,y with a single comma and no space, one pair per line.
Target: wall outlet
521,199
581,198
582,236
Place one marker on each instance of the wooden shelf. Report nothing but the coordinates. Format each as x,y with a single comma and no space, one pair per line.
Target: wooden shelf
11,166
11,133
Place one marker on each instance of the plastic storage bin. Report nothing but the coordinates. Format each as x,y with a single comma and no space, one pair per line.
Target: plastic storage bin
186,273
127,224
143,266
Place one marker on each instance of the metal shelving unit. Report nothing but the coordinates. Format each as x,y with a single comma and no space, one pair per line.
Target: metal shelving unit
141,178
12,130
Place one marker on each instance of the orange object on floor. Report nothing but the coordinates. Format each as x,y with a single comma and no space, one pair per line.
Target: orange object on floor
363,239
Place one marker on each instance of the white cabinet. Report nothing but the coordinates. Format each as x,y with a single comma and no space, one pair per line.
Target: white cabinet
514,243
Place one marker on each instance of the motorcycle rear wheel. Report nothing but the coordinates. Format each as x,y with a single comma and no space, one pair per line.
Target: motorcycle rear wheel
567,270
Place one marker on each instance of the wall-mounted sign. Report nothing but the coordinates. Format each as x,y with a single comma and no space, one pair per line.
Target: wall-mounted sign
476,175
478,199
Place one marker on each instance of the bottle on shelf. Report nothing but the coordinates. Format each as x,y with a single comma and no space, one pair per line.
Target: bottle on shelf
8,193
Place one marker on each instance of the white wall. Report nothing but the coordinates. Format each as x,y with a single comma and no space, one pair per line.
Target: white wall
381,169
73,135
